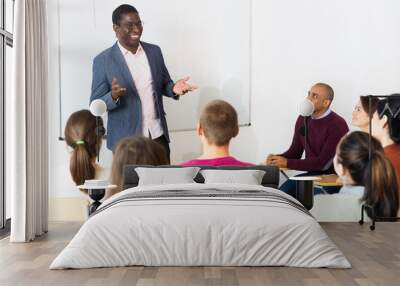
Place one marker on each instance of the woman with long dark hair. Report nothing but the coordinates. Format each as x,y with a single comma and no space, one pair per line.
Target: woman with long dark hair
381,188
80,135
353,166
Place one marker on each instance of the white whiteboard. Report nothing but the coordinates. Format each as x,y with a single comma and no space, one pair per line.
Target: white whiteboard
208,40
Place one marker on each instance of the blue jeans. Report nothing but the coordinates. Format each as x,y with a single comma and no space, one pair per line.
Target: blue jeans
289,186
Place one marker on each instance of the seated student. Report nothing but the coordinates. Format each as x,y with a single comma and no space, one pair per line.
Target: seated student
137,150
325,129
385,122
360,117
353,167
80,135
218,124
386,128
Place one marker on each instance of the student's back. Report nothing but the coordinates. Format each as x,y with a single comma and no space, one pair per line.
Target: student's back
353,167
220,161
80,135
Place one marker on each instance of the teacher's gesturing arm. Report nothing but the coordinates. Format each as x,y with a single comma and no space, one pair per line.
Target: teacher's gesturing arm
101,88
116,90
171,89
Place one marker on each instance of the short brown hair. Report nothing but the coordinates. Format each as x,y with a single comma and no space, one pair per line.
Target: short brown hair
136,150
219,121
329,90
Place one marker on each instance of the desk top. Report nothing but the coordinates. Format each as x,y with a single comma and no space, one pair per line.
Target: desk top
328,181
319,180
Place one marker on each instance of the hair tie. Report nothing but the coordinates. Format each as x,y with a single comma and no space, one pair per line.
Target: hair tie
80,142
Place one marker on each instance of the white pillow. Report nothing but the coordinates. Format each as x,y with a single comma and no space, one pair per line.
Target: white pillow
248,177
166,176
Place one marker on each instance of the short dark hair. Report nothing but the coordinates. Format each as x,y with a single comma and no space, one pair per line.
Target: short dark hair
328,88
391,108
121,10
365,104
219,121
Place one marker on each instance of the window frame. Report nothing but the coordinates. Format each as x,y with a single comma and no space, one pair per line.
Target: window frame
6,39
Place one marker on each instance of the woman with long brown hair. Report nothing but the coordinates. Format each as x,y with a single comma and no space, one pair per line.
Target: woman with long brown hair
80,135
352,163
353,166
136,150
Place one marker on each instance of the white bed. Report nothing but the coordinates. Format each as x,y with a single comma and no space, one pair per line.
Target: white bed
220,225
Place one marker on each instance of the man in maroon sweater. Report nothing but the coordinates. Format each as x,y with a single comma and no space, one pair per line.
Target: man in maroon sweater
325,129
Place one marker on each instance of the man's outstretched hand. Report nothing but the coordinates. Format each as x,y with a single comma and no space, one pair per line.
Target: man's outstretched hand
182,86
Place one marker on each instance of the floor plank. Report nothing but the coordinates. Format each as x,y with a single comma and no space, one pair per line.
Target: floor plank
374,255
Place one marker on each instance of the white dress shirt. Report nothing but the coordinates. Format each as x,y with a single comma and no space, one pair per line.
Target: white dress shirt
139,67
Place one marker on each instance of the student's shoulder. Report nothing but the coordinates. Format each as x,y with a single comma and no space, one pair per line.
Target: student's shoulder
237,162
352,190
189,163
337,117
246,164
299,122
339,121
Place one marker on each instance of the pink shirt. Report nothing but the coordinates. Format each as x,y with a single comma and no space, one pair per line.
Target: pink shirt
139,67
221,161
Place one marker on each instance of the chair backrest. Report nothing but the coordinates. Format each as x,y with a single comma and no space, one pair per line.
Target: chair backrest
270,179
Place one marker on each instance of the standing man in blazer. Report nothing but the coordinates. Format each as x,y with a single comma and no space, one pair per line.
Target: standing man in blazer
131,78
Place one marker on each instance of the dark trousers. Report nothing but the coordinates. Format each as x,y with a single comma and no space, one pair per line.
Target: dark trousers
164,142
289,186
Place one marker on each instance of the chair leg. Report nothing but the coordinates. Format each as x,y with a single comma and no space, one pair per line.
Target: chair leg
361,221
372,226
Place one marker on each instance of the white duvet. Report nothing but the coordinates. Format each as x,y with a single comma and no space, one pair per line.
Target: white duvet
188,231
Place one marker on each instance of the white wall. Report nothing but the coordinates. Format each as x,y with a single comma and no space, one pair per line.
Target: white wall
184,35
352,45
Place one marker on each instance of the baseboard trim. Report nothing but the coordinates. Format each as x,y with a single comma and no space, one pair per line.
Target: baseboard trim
68,209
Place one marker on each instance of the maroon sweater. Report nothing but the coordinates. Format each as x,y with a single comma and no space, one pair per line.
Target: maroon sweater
323,136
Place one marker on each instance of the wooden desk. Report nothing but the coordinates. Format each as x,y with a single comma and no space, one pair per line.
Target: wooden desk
328,181
322,181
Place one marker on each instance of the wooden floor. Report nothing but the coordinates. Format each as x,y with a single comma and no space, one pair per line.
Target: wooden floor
374,255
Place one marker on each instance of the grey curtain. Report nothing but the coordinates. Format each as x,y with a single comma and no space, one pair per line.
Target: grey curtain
29,148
